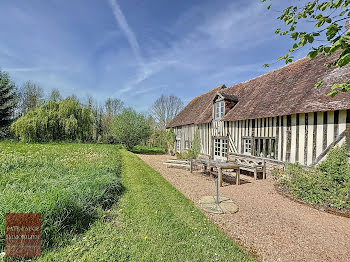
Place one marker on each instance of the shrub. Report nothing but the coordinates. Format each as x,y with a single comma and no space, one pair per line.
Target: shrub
196,145
328,184
131,128
183,155
336,165
148,150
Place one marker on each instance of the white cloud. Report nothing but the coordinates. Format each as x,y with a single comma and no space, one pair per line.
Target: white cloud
124,26
150,68
35,69
208,45
147,68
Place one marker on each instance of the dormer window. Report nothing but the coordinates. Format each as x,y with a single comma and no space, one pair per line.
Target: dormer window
219,109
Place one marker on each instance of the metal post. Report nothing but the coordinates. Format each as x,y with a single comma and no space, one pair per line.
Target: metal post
217,190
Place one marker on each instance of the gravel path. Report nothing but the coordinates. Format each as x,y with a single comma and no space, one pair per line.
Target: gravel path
270,226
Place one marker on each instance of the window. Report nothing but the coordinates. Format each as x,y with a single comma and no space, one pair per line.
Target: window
224,148
178,145
247,146
219,109
187,144
178,132
217,147
220,147
265,147
273,148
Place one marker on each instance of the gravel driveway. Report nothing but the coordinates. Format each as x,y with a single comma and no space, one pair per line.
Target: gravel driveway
270,226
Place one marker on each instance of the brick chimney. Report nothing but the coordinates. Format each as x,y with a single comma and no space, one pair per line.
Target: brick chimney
347,26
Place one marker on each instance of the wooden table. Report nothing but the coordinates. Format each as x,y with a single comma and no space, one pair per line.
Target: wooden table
222,166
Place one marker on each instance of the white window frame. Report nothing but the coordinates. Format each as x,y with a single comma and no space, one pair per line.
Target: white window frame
219,109
220,148
247,145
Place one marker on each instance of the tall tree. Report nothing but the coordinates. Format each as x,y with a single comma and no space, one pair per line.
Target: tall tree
55,95
131,128
31,96
66,120
8,100
328,18
165,108
113,106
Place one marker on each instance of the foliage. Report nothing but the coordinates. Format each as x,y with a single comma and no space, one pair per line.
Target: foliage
162,138
194,151
55,95
153,222
328,184
336,164
113,107
170,140
165,108
327,17
31,96
131,128
148,150
157,138
8,101
66,120
42,120
183,155
67,183
196,144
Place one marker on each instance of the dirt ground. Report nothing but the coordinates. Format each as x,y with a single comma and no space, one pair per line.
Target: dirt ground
272,227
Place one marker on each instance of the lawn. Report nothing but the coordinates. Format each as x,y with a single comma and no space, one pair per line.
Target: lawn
151,222
70,184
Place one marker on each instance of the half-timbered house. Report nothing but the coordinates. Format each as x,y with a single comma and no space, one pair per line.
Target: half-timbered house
279,116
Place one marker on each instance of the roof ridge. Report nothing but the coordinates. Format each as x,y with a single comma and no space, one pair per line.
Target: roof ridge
283,91
270,72
196,97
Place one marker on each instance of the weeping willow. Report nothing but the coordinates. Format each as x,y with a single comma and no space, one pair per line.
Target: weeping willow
66,120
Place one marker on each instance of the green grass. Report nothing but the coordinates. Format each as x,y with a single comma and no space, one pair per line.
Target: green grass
148,150
69,184
152,222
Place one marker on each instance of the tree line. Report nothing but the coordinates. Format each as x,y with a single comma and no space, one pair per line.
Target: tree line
26,114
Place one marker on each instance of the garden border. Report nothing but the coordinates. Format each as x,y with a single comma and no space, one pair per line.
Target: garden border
329,210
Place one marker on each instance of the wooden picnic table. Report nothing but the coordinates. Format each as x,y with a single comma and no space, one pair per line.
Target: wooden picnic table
209,163
222,166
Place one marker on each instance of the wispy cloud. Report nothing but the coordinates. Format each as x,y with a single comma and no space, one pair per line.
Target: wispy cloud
150,68
195,50
35,69
146,68
129,33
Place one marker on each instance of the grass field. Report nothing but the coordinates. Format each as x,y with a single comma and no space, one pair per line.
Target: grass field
69,184
152,222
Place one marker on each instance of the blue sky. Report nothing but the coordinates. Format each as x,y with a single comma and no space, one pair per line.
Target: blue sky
137,50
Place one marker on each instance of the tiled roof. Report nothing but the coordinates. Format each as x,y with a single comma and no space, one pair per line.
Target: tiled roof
284,91
196,110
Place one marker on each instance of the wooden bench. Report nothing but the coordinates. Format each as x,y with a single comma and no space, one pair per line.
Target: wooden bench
178,163
251,165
